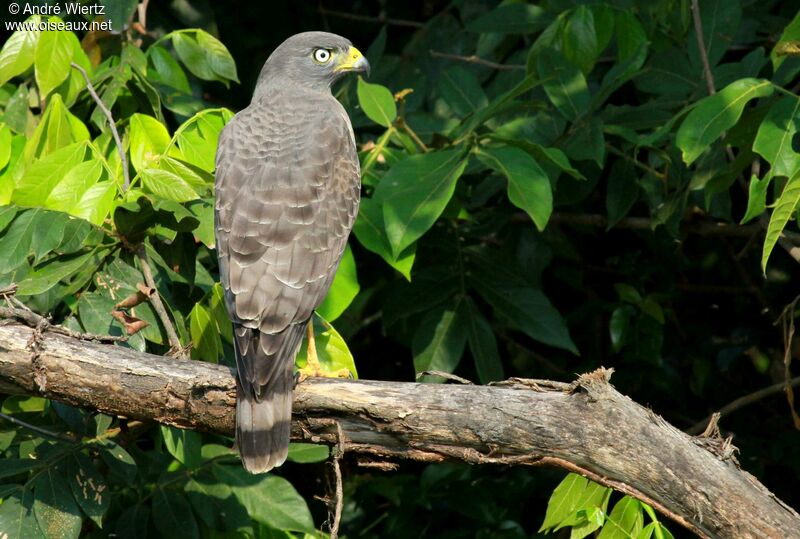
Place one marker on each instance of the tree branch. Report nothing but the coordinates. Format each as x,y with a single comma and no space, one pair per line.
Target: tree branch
586,427
472,59
155,299
380,19
701,47
102,106
746,400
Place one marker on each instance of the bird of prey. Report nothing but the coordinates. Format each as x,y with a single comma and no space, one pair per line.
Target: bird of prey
287,193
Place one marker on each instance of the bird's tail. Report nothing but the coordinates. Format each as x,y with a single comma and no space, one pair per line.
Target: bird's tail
264,383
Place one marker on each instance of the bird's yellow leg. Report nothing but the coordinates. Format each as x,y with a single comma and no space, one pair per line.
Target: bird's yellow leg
313,367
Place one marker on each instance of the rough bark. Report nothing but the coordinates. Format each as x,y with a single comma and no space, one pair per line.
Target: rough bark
586,427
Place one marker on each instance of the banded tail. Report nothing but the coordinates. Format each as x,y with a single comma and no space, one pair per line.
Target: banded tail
264,383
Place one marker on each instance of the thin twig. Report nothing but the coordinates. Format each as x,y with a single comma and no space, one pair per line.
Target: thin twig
702,228
338,501
155,300
743,401
38,430
33,320
444,375
472,59
380,19
707,74
701,46
401,123
123,160
636,162
786,320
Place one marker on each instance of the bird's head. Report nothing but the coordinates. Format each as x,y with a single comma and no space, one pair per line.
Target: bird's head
315,59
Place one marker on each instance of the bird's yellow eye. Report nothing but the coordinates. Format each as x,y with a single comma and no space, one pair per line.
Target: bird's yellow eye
322,56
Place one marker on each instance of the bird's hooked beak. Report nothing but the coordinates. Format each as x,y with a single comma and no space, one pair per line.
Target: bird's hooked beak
353,60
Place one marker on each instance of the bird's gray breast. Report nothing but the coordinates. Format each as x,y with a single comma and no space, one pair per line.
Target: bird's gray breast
287,195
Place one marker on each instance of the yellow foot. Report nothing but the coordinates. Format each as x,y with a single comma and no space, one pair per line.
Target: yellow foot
313,367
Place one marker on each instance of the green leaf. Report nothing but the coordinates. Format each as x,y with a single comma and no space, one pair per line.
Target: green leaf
524,307
19,403
203,210
784,208
415,192
332,351
219,59
133,523
44,174
756,198
622,191
172,512
118,460
219,312
619,326
587,143
119,12
215,504
629,33
18,51
167,70
5,145
204,55
47,232
198,136
17,519
308,453
564,501
517,18
461,91
377,102
579,42
371,233
44,278
17,115
206,344
528,186
7,214
564,84
199,180
167,185
269,499
95,203
67,193
76,232
775,135
15,244
55,508
625,521
343,290
482,344
192,55
715,114
88,486
54,52
12,467
439,340
656,530
149,140
183,444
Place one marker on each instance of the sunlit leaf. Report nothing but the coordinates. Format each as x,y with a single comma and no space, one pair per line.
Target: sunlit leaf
715,114
377,102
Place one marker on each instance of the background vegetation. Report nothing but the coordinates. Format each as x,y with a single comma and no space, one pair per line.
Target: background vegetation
543,185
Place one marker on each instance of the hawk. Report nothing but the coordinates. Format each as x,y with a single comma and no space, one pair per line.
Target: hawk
288,184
